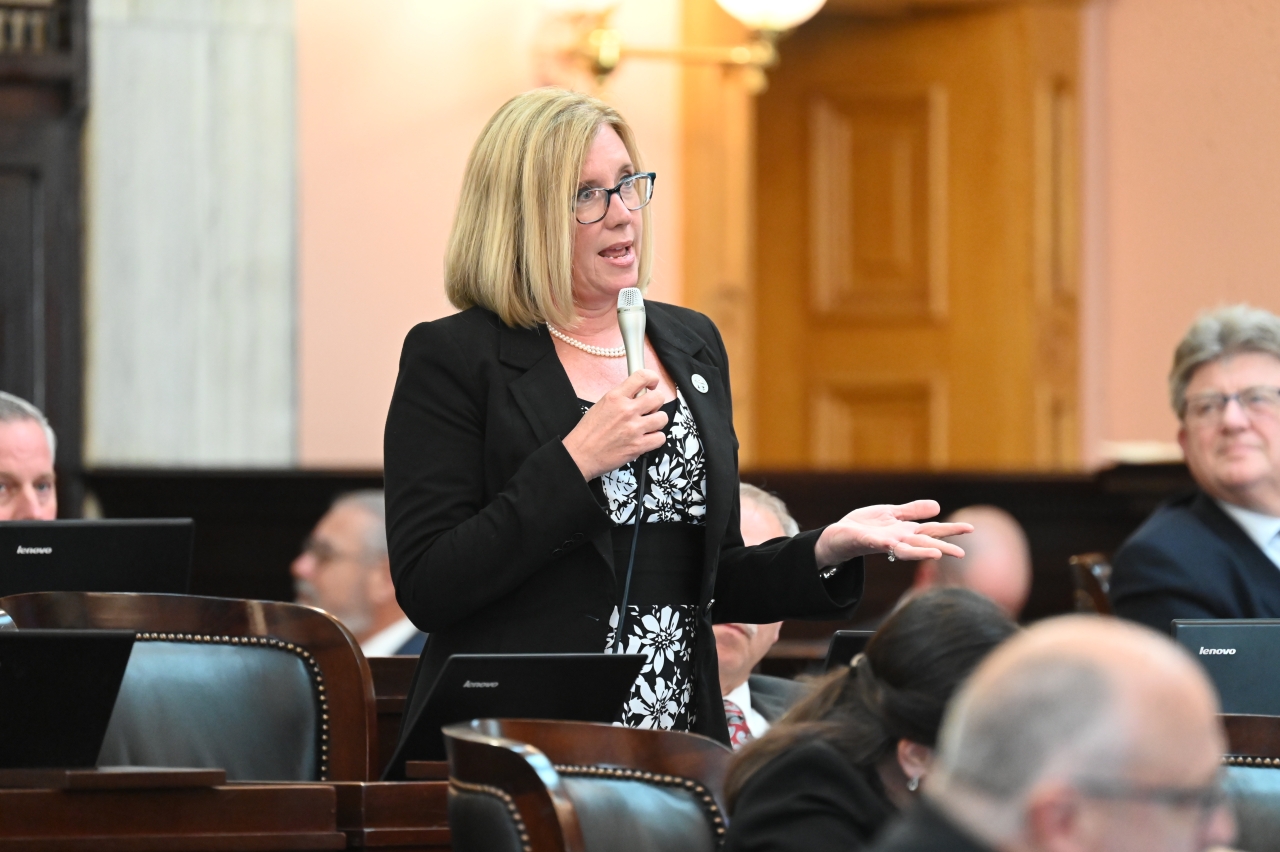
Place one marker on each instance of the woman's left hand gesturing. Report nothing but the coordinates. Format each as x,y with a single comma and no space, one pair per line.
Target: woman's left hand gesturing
888,529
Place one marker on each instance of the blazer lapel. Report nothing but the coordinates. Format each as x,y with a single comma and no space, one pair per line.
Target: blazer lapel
544,393
545,396
1261,571
683,354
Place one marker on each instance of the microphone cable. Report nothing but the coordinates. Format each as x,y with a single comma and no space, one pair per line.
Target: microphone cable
631,561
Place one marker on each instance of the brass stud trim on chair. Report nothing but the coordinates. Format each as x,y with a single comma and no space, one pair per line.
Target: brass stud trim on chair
1247,760
313,669
699,792
503,796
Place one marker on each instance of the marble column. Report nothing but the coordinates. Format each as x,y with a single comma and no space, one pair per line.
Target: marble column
191,269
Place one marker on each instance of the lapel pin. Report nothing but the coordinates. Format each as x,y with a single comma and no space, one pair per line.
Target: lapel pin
699,383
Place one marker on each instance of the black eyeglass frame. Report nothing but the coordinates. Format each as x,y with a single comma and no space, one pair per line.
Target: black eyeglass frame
617,190
1220,401
1206,799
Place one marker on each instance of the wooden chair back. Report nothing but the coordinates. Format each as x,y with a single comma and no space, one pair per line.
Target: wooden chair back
525,764
1091,573
340,674
1252,740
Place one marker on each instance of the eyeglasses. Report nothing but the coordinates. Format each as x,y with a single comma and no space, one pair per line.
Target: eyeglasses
591,205
1205,800
1255,401
326,554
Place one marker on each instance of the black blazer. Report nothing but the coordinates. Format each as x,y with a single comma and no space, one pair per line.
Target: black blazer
1191,560
497,543
924,828
809,798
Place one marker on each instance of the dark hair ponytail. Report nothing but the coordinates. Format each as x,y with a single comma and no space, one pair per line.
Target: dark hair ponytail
896,690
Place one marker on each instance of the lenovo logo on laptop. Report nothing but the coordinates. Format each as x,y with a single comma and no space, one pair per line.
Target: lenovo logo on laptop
24,551
479,684
1205,651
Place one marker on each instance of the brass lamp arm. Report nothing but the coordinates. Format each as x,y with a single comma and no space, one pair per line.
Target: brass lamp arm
603,50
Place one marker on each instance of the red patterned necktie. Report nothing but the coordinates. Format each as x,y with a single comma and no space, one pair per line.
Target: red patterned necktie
739,733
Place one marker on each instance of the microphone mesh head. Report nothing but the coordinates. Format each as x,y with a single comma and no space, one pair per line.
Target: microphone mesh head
630,297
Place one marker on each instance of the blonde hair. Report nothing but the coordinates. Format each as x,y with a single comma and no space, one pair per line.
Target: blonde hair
511,248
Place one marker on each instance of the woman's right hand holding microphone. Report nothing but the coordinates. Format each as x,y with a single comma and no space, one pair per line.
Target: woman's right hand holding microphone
620,427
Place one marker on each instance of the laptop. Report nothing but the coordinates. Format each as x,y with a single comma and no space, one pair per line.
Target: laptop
570,687
152,555
1239,655
845,645
57,691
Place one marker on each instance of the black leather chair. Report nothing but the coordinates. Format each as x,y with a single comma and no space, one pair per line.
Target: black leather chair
1253,780
267,691
520,785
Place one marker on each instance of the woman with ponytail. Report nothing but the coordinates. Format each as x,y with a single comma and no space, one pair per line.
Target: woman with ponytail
845,759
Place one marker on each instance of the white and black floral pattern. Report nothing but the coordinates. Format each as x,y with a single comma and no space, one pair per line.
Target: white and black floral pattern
675,492
661,696
675,478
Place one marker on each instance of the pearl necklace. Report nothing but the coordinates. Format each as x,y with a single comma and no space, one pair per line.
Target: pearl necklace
601,351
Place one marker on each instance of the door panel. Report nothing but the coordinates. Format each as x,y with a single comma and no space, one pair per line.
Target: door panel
19,324
915,243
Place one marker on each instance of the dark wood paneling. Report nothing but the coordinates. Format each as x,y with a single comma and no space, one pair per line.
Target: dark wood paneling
1063,515
392,677
243,818
395,816
249,524
42,108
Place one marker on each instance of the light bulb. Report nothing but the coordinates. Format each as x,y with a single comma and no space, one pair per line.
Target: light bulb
774,15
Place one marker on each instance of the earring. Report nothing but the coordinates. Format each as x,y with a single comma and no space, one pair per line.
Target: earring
913,783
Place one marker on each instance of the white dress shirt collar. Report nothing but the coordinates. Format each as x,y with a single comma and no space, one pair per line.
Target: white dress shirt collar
756,723
1263,529
388,640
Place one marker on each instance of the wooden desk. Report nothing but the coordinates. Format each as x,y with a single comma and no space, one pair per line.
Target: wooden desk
394,816
121,812
391,679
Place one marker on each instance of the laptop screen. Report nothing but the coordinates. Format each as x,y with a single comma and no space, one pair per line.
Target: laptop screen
1239,655
96,556
57,691
571,687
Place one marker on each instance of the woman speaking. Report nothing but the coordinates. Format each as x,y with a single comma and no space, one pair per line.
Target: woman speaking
517,444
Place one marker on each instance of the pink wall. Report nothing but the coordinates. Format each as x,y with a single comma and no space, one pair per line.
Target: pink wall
391,95
1182,185
1182,189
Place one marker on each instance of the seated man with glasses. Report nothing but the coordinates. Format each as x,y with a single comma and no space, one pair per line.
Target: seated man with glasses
1215,553
344,569
1080,733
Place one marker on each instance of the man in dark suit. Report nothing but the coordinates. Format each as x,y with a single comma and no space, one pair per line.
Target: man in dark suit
1080,733
1215,553
344,570
754,701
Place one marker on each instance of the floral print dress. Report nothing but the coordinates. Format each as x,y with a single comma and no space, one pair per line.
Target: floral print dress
661,610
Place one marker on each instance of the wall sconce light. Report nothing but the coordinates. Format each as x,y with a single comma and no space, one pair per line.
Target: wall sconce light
600,47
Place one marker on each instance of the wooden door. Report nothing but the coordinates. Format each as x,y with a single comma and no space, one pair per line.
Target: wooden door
915,244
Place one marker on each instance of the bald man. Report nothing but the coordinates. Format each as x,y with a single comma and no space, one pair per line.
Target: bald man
996,563
1082,734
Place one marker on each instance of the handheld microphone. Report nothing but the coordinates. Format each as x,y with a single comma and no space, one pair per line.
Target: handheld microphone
631,324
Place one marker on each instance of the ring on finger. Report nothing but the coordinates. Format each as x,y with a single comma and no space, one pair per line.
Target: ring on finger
893,557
